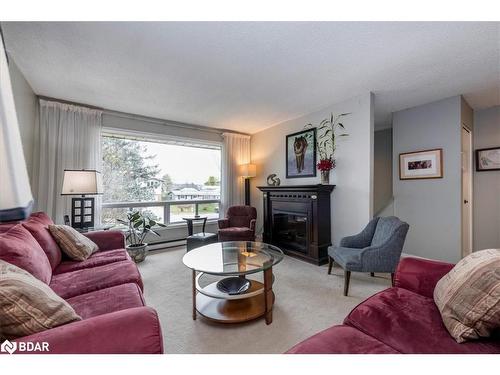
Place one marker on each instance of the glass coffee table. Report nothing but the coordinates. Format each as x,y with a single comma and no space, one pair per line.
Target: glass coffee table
233,298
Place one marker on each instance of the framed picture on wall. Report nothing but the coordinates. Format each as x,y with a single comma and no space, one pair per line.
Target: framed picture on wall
301,154
421,164
488,159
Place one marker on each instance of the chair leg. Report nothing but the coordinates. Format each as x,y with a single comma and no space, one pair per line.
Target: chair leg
372,274
347,277
330,265
392,278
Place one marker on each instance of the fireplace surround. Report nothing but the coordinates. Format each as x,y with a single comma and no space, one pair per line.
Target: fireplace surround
297,220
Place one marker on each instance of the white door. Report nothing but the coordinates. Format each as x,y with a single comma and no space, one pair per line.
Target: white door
466,192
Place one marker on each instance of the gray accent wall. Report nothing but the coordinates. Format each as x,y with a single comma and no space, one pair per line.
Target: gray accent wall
382,171
486,184
26,104
431,207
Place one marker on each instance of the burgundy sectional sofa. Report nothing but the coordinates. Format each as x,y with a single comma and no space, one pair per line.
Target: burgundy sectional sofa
402,319
105,290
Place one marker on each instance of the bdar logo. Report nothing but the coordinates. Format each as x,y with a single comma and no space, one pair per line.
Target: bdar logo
9,347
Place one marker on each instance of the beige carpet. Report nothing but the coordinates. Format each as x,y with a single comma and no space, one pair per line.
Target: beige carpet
308,300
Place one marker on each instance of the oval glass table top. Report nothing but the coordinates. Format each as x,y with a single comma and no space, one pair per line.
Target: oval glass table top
233,258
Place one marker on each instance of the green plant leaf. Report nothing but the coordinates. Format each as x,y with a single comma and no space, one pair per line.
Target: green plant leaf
154,232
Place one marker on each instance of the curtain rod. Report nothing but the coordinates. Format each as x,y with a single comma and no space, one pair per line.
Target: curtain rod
145,118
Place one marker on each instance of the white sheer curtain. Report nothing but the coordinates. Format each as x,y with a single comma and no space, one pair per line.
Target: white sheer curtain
68,137
236,151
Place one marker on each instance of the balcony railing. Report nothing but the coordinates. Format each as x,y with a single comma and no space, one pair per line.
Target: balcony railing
167,212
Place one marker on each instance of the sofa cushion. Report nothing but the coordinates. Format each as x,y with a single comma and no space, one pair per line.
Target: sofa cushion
341,340
97,259
4,227
27,305
235,233
468,297
38,225
104,301
410,323
74,244
70,284
19,247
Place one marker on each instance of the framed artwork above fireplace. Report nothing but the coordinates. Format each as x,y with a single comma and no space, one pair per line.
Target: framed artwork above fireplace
301,154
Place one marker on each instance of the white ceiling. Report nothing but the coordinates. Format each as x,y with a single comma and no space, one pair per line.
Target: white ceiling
248,76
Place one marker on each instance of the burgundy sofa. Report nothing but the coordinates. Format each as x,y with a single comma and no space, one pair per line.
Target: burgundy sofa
105,290
239,224
402,319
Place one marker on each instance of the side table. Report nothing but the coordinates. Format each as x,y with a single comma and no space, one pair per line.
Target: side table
190,221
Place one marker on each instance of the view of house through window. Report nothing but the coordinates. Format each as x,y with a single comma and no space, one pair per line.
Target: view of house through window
167,181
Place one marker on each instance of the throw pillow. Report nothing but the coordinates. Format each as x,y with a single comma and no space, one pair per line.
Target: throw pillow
74,244
468,297
20,248
27,305
38,225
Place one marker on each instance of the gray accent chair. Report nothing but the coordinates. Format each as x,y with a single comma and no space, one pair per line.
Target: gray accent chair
376,249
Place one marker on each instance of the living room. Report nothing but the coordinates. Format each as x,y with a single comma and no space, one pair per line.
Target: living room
250,187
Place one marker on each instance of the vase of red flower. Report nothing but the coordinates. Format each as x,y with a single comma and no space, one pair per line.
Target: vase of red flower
325,166
327,135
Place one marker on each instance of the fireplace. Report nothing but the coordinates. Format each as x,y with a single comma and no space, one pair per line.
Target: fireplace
290,229
297,220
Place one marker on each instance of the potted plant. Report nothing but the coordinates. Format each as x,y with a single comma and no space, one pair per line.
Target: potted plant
326,144
138,228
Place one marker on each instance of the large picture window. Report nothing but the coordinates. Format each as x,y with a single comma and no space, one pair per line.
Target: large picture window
167,180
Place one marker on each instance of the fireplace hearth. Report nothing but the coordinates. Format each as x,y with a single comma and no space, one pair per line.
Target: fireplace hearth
297,220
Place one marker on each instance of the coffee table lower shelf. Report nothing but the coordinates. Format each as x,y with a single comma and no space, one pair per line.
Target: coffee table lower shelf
220,307
231,311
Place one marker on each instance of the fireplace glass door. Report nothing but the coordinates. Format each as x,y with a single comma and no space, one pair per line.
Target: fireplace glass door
290,230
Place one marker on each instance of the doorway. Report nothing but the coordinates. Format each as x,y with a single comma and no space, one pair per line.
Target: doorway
466,191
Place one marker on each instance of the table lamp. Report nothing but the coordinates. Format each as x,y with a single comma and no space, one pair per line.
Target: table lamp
82,182
247,171
16,200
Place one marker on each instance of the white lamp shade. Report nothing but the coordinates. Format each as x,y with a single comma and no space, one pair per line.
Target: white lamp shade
81,182
16,199
248,170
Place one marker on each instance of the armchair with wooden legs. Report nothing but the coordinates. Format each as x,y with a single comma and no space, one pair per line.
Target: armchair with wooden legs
377,248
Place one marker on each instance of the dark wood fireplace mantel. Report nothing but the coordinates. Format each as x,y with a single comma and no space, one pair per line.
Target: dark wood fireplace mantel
297,220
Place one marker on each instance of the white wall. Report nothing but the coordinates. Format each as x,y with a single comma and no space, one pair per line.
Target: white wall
26,108
431,207
352,198
486,184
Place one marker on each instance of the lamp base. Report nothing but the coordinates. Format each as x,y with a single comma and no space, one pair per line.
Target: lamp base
82,212
247,191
